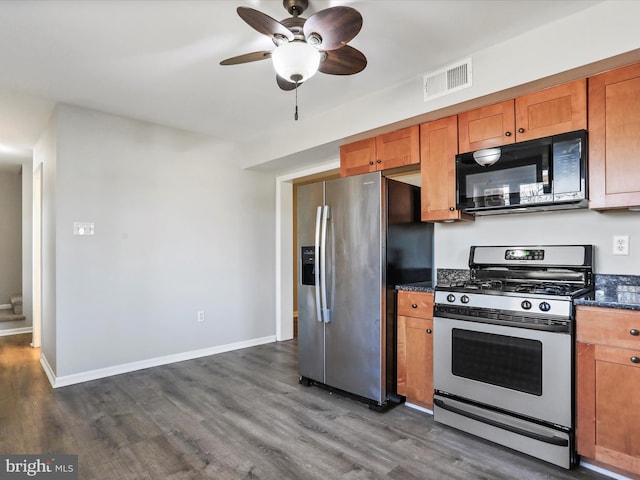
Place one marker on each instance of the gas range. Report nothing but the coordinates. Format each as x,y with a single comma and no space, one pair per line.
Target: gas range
520,284
503,347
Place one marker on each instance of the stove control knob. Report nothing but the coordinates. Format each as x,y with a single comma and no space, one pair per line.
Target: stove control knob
464,299
451,298
526,304
544,306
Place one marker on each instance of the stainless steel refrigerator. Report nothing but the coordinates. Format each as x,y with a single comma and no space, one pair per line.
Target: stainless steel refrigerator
358,237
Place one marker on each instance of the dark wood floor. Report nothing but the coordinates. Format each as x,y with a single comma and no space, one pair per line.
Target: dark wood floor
237,415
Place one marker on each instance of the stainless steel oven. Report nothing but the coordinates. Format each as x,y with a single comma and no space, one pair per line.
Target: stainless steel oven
504,347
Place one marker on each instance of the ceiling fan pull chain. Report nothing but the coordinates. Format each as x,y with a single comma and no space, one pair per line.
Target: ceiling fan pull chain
296,115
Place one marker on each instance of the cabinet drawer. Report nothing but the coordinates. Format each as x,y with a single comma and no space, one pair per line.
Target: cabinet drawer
611,327
415,304
621,356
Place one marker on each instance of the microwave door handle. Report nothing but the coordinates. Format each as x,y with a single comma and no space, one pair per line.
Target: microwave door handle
318,265
326,313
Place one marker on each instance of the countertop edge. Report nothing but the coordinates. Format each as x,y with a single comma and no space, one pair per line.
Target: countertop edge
606,304
416,287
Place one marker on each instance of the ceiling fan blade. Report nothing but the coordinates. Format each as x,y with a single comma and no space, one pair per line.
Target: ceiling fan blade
264,23
344,61
285,84
246,58
335,25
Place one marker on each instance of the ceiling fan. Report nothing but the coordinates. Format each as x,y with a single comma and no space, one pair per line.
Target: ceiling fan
304,46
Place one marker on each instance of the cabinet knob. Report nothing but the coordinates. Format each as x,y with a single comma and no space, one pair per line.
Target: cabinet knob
521,130
451,209
429,331
413,305
507,134
370,163
378,161
635,359
634,332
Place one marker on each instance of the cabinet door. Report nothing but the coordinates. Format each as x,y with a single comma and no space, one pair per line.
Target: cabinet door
438,149
415,360
608,417
608,386
399,148
552,111
614,143
358,157
486,127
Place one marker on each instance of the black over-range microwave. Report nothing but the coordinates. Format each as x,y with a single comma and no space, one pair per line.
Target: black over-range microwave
544,174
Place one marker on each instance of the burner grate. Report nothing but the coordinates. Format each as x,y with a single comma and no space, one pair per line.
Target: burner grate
545,288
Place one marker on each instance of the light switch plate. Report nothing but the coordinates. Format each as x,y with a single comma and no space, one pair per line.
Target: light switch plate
83,228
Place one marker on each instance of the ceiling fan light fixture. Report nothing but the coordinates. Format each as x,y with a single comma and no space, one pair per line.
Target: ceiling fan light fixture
296,60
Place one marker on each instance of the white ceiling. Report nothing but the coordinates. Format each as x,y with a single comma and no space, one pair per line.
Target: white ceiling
158,61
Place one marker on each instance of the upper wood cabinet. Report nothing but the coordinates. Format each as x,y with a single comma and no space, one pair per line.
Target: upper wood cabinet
487,126
391,150
614,142
552,111
358,157
438,149
548,112
608,386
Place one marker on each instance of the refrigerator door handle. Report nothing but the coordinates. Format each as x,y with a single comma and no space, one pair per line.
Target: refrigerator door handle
317,264
326,312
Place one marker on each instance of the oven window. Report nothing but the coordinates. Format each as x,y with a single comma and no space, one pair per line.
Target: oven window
510,362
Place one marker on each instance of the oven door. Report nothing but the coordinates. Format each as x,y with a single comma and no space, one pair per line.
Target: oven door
519,370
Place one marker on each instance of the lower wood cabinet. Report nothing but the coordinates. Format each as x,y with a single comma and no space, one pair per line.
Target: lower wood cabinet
415,347
608,386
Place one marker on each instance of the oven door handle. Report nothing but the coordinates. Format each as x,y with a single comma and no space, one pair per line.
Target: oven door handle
553,440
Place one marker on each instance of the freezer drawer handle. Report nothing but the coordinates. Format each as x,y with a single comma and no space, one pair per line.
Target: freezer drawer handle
553,440
318,265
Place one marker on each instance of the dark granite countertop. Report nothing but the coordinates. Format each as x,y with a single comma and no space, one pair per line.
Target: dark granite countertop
615,291
608,304
416,287
627,300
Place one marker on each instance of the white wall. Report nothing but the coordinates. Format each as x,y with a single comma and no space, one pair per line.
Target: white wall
11,237
45,155
10,240
27,232
179,227
452,240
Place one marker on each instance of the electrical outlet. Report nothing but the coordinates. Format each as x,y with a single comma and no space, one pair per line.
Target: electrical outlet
201,315
621,245
83,228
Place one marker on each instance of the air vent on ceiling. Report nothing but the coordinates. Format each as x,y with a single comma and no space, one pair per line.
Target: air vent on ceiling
447,80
